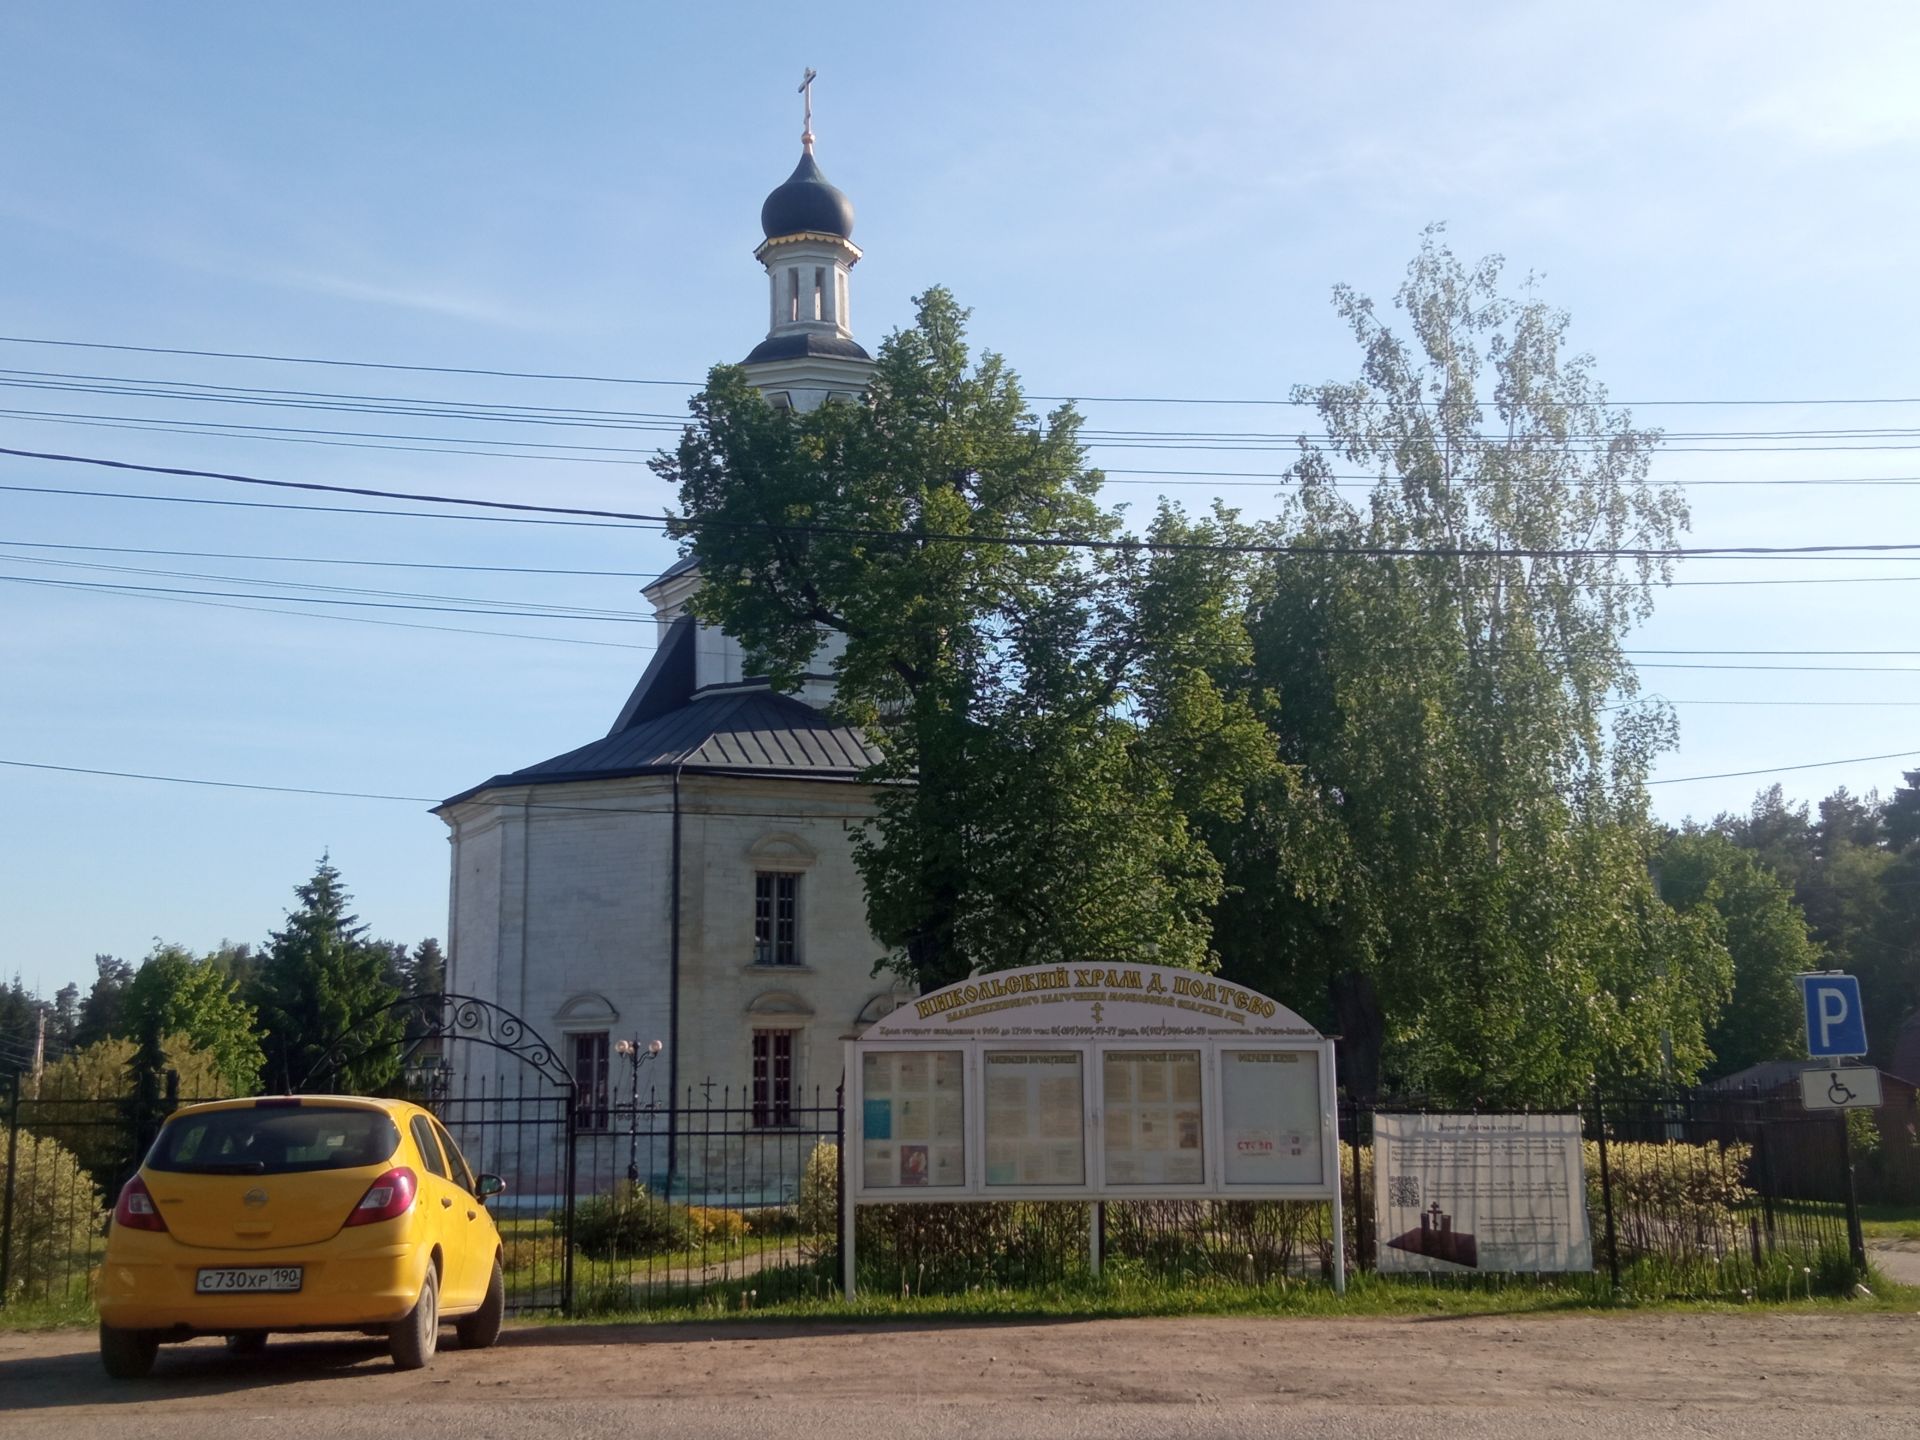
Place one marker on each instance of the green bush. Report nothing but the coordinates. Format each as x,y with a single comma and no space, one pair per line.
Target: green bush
820,1195
56,1217
1672,1200
630,1223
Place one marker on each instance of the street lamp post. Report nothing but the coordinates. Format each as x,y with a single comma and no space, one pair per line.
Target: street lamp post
637,1055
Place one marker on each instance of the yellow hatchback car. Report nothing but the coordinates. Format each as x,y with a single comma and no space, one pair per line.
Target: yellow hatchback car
300,1212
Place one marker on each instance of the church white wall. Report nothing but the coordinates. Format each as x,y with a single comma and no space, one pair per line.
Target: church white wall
562,914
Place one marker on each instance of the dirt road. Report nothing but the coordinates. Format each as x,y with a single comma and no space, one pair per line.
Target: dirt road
1596,1377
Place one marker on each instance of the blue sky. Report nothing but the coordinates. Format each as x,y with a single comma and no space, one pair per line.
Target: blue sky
1133,201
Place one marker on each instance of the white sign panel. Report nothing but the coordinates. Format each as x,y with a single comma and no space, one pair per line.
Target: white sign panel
1852,1087
1151,1117
1480,1192
1270,1117
1035,1118
913,1119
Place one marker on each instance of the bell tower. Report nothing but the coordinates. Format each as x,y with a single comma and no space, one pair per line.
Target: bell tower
809,354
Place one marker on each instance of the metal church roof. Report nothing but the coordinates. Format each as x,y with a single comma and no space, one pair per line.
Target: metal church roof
746,730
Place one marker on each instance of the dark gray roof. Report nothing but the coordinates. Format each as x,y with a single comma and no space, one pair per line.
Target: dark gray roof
806,202
663,727
802,343
678,567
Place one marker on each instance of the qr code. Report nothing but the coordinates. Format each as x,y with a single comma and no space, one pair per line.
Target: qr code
1403,1190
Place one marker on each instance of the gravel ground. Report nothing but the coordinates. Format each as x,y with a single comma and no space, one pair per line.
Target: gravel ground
1596,1377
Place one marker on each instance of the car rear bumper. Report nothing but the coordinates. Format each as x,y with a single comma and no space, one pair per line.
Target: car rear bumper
155,1290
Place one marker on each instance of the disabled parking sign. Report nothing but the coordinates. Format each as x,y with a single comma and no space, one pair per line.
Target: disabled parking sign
1835,1025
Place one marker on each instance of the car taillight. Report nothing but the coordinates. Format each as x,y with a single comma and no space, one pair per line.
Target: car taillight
387,1198
136,1209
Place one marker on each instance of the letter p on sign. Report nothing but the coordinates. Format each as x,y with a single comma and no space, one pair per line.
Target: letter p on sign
1835,1024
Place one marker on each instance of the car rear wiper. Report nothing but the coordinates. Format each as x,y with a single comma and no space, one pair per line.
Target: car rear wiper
229,1167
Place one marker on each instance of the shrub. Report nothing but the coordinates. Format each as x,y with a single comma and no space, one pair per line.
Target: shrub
629,1223
56,1215
713,1226
1672,1199
820,1194
772,1220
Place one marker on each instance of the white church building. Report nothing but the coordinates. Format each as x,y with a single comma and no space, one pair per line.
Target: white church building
688,876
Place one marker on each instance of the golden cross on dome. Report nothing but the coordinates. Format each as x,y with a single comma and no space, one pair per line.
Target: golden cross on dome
806,92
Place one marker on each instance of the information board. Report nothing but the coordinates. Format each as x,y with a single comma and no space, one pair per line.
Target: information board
1270,1111
1150,1129
1035,1113
913,1118
1089,1083
1480,1192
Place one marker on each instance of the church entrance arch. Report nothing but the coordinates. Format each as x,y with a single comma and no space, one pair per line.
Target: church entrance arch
513,1106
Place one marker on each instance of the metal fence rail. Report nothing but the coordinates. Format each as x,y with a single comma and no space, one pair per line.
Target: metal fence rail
713,1200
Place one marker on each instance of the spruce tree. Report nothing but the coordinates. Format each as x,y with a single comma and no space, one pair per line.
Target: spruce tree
321,983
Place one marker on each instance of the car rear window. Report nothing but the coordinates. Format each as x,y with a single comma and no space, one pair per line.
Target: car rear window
275,1141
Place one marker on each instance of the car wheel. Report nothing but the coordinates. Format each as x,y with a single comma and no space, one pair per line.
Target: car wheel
127,1354
247,1342
415,1338
480,1329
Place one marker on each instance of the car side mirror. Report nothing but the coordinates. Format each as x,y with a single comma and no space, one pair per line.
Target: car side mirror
485,1187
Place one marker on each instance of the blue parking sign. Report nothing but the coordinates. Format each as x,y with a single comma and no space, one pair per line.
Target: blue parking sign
1835,1024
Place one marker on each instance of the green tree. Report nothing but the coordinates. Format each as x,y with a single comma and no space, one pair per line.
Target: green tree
64,1021
100,1011
175,993
322,981
1452,872
1025,697
56,1214
1901,815
1765,934
124,1081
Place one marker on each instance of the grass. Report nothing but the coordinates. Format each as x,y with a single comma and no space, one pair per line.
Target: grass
1890,1222
1650,1286
1122,1297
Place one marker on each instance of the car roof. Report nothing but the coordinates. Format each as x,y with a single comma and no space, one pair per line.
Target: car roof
397,1108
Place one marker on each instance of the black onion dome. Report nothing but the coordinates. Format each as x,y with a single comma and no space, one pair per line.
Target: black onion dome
807,202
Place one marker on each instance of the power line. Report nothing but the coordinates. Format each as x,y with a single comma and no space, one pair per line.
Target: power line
947,537
1780,769
355,560
692,384
123,588
416,799
525,450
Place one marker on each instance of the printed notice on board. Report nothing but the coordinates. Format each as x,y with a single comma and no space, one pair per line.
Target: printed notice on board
1480,1192
1150,1118
1035,1109
1270,1117
912,1119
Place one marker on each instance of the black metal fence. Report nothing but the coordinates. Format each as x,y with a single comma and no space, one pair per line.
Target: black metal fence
709,1201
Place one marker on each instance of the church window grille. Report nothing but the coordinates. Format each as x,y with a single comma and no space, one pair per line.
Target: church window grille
593,1091
773,1077
776,918
819,293
793,294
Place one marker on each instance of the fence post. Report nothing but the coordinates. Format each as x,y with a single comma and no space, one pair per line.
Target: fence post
1856,1240
6,1205
840,1173
1606,1188
1763,1156
566,1205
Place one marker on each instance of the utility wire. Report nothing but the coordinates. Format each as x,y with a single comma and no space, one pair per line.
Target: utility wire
1780,769
947,537
693,384
527,450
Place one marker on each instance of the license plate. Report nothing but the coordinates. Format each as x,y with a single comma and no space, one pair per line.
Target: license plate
250,1280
